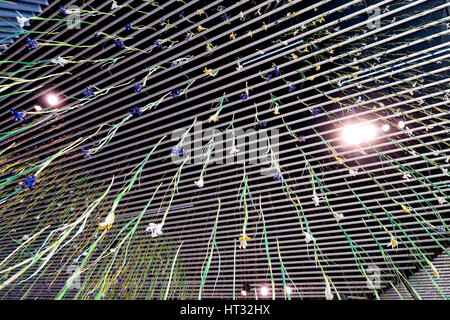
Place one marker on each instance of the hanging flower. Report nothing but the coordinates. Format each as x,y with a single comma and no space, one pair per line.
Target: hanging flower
353,171
406,176
209,47
175,94
31,44
21,20
88,92
405,208
435,271
316,200
178,151
136,110
157,44
243,241
119,43
213,118
200,28
308,237
244,96
393,243
60,61
262,123
86,153
291,88
276,70
232,36
340,160
155,229
209,72
338,216
441,200
199,183
114,5
328,292
315,111
234,150
107,223
137,88
277,177
128,27
18,116
29,182
200,12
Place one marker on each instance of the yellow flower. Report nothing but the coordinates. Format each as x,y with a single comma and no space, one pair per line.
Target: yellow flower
317,68
295,32
405,208
322,19
213,118
340,160
311,78
336,100
208,47
355,76
264,27
362,151
200,28
394,243
208,71
276,112
200,12
232,36
358,54
243,241
356,67
306,50
313,23
435,271
250,34
103,227
331,51
294,56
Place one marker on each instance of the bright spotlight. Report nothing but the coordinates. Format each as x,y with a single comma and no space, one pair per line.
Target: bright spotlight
358,133
385,127
264,290
52,99
401,124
